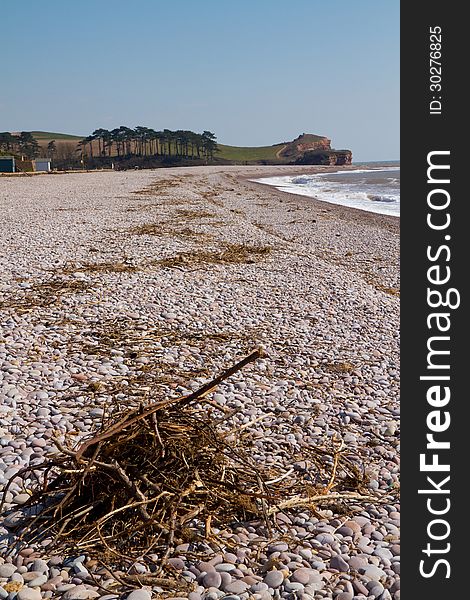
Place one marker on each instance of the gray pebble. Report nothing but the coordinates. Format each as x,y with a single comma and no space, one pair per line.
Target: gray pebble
38,581
273,579
226,567
80,592
212,579
337,562
139,595
236,587
7,570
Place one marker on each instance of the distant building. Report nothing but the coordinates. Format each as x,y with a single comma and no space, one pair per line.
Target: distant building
7,164
42,164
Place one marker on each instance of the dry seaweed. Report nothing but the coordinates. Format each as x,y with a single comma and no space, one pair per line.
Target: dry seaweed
229,254
165,472
43,294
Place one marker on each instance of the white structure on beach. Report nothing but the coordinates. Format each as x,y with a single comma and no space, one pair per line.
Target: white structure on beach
42,164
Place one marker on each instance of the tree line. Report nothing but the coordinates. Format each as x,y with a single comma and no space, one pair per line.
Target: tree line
23,144
121,142
145,142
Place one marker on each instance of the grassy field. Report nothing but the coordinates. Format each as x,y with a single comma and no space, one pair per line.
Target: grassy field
231,153
240,154
47,136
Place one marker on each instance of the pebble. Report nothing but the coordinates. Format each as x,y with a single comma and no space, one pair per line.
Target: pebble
7,570
139,595
236,587
212,579
38,581
337,562
225,567
304,575
374,572
80,592
273,579
39,566
27,593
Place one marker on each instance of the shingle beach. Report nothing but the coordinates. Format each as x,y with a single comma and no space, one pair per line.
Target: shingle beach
94,265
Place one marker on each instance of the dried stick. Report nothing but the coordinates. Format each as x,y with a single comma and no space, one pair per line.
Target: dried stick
303,500
200,393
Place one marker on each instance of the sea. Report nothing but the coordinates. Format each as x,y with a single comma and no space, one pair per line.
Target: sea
373,187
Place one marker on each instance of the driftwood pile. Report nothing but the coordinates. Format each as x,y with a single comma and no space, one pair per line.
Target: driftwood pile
171,472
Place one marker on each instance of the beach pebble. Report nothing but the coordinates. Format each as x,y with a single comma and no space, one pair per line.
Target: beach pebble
7,570
139,595
80,592
27,593
337,562
212,579
236,587
373,572
273,579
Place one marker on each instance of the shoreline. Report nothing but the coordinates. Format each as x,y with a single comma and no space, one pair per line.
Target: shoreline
162,278
343,210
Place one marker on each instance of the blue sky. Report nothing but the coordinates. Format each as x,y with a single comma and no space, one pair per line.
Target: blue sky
256,72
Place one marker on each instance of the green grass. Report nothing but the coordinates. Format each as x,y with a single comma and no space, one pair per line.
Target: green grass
240,154
48,136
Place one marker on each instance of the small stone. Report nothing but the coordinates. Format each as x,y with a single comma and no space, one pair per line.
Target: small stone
375,588
139,595
273,579
230,558
337,562
28,594
80,592
373,572
306,553
345,531
280,547
226,567
65,587
344,596
212,579
21,498
39,565
260,586
360,588
30,575
358,562
177,563
38,581
305,576
7,570
205,566
236,587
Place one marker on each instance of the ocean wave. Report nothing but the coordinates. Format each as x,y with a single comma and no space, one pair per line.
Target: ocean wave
378,198
302,180
370,193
